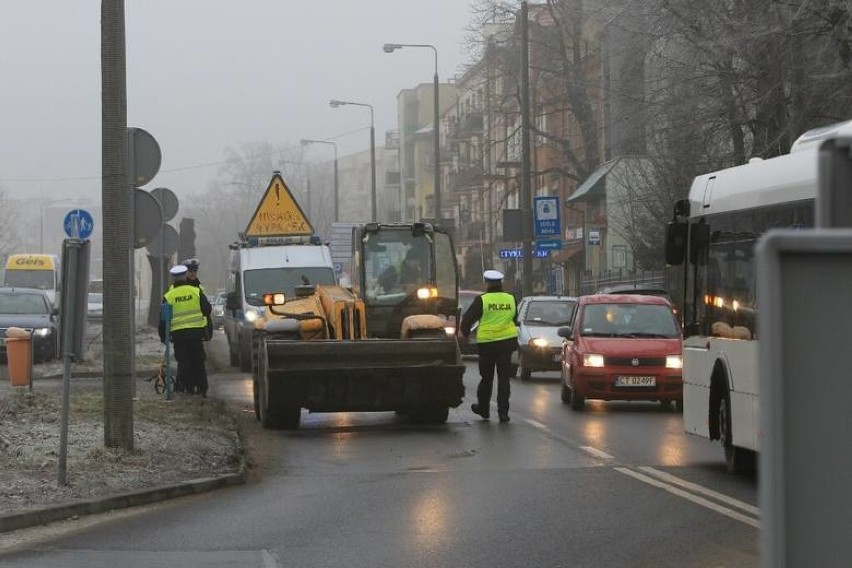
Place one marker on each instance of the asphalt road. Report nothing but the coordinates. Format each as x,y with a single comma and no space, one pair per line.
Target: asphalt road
616,485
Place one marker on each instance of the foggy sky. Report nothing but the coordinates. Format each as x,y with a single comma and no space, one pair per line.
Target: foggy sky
203,75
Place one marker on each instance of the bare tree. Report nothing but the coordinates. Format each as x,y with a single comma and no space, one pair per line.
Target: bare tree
10,234
226,207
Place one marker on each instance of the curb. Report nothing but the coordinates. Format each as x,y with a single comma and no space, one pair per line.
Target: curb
46,515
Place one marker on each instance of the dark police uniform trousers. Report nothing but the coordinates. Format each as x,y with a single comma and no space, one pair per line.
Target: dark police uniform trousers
495,354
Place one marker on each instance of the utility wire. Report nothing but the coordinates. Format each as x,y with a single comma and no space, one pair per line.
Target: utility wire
170,170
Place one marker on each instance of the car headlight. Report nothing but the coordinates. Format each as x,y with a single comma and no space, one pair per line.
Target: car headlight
593,360
539,342
674,361
42,331
252,315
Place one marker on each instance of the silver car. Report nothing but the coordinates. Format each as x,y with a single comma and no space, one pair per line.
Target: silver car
540,348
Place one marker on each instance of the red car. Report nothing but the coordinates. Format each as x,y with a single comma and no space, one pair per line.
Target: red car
622,347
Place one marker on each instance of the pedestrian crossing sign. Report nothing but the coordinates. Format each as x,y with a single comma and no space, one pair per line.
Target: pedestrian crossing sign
278,214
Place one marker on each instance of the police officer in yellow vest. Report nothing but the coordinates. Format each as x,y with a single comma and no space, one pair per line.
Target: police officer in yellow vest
190,311
496,338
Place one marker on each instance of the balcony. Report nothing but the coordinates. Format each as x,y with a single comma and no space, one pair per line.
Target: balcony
468,125
467,176
471,232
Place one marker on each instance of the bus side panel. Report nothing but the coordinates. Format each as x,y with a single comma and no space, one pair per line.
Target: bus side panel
739,357
698,362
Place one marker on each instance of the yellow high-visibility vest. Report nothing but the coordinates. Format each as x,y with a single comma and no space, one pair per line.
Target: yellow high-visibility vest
185,300
498,318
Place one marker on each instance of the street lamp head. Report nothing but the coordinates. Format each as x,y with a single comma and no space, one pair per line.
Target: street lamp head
304,142
335,103
391,47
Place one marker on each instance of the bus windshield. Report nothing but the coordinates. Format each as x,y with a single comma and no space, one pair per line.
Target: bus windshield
41,279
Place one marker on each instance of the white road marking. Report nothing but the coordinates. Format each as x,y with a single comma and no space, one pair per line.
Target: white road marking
594,452
694,487
690,497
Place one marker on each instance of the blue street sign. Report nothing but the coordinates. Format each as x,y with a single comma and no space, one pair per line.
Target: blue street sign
548,220
519,253
78,224
549,244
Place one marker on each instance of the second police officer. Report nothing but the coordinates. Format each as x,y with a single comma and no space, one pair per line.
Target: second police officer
496,339
190,314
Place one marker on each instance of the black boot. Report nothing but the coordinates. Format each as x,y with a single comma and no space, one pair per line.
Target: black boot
504,416
483,412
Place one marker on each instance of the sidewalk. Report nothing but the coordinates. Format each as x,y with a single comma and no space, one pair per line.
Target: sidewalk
66,507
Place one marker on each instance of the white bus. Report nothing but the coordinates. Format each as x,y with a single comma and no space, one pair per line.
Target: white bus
710,244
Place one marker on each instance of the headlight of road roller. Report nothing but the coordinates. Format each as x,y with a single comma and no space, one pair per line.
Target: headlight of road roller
252,315
426,293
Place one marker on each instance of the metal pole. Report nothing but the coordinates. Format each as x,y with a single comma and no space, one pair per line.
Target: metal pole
526,194
131,255
437,141
375,216
308,194
336,189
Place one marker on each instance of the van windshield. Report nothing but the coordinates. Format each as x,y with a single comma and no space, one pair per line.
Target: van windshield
629,320
41,279
266,280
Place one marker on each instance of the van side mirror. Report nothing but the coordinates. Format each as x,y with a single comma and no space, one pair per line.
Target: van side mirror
231,301
566,332
699,243
676,232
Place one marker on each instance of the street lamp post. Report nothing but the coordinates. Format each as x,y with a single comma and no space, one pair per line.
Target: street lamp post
335,104
390,48
305,142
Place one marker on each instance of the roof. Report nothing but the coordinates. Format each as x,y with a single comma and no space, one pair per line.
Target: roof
539,298
760,183
595,184
623,299
567,253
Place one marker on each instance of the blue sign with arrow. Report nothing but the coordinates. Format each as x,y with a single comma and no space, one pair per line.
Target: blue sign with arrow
79,224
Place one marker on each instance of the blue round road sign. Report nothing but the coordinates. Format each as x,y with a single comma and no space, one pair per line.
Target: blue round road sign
78,224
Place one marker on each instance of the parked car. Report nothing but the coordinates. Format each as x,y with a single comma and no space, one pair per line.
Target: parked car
468,346
539,346
218,313
31,310
95,307
622,347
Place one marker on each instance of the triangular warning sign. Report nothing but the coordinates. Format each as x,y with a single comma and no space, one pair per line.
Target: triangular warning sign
278,214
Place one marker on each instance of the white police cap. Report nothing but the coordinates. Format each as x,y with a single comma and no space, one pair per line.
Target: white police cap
492,275
177,270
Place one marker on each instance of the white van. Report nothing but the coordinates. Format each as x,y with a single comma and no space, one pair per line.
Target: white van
256,270
39,271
